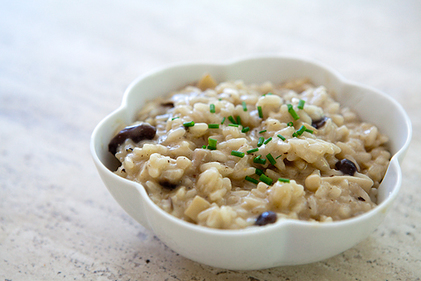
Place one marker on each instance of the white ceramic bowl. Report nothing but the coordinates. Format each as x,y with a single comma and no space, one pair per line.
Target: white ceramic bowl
286,242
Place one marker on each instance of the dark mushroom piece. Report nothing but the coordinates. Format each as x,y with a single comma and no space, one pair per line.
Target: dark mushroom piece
168,185
266,218
346,166
319,123
136,133
167,104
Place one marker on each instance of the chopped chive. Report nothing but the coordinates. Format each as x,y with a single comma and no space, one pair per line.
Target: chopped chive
270,158
204,146
233,125
278,156
262,131
290,124
188,124
281,137
259,160
219,99
237,153
292,112
262,161
250,179
259,109
260,141
252,150
301,130
223,120
212,108
213,126
258,172
245,130
232,119
268,140
301,104
265,179
244,106
283,180
174,118
212,143
238,120
294,135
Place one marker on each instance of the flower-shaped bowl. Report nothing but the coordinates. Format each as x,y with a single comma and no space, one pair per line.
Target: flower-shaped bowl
286,242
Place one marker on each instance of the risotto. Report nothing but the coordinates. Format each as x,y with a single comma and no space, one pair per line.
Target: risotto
233,155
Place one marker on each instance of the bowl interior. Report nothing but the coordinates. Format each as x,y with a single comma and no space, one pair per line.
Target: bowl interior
371,105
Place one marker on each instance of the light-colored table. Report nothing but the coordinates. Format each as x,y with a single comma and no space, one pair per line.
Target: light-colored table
64,66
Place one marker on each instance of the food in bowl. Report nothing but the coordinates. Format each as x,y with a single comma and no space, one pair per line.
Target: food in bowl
232,155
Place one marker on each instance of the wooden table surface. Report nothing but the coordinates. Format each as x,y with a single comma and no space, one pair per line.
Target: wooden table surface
64,65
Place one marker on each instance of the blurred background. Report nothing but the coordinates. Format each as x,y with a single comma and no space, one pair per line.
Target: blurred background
64,65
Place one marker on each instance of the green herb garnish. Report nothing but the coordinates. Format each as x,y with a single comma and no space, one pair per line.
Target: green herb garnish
213,126
292,112
260,141
270,158
268,140
301,130
212,143
283,180
265,179
250,179
259,109
237,153
259,160
301,104
188,124
281,137
252,150
244,106
232,119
